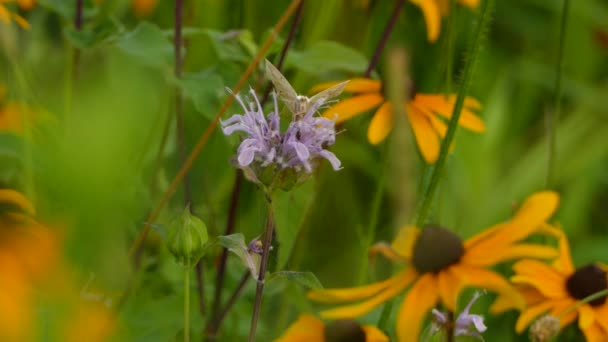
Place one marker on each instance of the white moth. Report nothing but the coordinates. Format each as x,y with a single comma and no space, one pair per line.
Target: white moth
298,104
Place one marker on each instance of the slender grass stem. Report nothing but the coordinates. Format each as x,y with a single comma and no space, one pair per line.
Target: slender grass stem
453,124
584,301
449,47
390,25
263,266
385,315
553,115
187,303
198,148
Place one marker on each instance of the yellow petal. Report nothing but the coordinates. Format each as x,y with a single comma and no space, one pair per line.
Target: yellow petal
503,303
426,137
352,311
432,18
386,250
537,208
594,333
548,282
482,278
381,124
21,21
528,315
586,316
143,8
559,306
12,197
470,3
492,256
405,240
421,298
348,108
564,262
444,106
601,315
450,285
26,4
373,334
306,329
350,294
355,85
5,15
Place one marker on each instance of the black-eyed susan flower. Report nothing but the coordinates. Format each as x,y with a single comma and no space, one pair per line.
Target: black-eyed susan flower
308,328
6,15
424,113
434,10
439,265
555,288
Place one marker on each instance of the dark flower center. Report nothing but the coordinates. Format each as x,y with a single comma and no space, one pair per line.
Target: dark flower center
586,281
344,331
435,249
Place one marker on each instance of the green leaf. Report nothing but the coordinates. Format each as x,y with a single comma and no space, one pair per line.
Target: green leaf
290,209
307,279
89,37
148,45
203,88
235,243
326,56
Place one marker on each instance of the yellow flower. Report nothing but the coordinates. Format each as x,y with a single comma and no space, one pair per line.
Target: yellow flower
6,15
423,113
554,288
14,115
311,329
434,10
143,8
439,265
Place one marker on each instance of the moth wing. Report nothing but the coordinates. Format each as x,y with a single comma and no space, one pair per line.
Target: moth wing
329,93
281,85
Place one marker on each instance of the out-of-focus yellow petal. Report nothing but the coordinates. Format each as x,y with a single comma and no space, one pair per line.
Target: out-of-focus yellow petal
489,255
538,207
381,124
482,278
16,307
349,294
403,280
450,285
601,316
432,18
421,298
531,297
5,15
21,21
306,328
12,197
348,108
26,4
404,242
143,8
469,3
559,306
92,323
594,333
586,316
355,85
564,262
426,137
530,314
542,283
444,106
373,334
386,250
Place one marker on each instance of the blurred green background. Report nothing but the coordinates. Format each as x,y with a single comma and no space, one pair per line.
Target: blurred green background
95,162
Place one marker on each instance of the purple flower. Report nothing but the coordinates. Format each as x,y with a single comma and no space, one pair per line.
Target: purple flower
299,148
465,325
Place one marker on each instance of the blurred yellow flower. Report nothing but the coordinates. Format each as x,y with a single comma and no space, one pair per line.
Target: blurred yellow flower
143,8
439,265
15,116
311,329
556,287
6,15
434,10
31,264
423,112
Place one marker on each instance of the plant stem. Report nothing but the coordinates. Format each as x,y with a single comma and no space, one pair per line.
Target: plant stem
453,124
449,328
187,302
235,295
385,34
450,47
553,115
263,266
290,36
584,301
205,136
78,26
385,315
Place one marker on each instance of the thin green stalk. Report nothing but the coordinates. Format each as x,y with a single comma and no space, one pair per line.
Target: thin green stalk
453,124
369,234
585,300
187,302
385,315
449,47
553,115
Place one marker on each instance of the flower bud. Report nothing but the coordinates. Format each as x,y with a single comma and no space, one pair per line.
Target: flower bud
544,329
187,239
